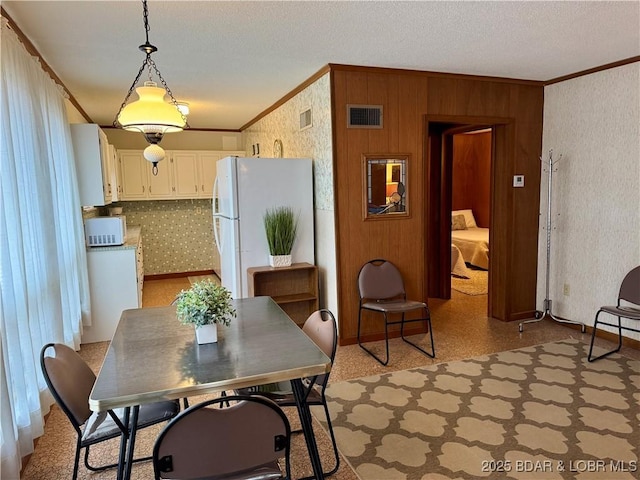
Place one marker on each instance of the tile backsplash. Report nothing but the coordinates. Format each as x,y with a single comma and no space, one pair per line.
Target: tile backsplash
177,235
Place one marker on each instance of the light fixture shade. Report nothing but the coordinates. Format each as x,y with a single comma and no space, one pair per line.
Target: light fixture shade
154,153
151,114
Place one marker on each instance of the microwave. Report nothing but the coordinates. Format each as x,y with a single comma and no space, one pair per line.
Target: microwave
105,231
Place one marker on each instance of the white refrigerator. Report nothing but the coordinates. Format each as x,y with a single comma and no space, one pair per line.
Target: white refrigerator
244,189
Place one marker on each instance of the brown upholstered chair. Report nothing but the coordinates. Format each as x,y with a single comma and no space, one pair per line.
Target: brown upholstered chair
628,307
70,381
242,441
320,327
381,290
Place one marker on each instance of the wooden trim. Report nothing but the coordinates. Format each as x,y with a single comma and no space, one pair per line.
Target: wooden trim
288,96
45,66
365,69
165,276
601,68
605,335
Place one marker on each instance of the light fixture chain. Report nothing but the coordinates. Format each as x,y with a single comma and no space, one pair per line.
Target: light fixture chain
166,87
131,89
145,15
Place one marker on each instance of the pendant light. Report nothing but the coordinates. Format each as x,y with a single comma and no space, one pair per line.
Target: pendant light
151,114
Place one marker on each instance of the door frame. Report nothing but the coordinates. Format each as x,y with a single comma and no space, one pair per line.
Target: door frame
438,156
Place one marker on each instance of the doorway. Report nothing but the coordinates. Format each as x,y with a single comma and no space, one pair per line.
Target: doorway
455,181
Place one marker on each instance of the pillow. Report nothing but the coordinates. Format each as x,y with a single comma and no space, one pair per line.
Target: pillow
458,222
468,216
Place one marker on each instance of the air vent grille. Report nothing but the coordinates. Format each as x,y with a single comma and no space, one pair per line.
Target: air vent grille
364,116
305,119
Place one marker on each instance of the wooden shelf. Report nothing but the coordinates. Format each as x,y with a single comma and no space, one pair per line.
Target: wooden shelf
294,288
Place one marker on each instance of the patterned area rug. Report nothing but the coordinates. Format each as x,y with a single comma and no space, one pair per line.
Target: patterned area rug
539,412
476,284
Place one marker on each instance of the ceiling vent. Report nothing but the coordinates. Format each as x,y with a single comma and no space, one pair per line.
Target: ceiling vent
364,116
305,119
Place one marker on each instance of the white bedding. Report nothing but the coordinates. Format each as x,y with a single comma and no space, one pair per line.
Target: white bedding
473,243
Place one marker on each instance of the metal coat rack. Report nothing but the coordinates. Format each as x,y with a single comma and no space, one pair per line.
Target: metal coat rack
546,312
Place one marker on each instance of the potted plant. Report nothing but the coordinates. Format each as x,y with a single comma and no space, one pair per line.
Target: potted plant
281,226
204,305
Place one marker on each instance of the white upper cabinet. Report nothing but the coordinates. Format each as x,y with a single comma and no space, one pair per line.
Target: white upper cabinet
182,174
133,171
186,173
93,166
208,170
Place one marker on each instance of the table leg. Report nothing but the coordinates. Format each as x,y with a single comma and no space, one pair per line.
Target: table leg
123,443
132,442
307,427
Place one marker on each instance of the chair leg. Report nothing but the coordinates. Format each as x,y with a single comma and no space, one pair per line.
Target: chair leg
433,348
77,460
590,358
111,465
386,339
333,440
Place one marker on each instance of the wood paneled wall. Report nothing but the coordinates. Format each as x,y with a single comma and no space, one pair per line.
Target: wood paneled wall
410,100
472,175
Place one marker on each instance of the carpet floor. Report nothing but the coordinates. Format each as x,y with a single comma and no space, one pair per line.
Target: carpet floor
539,412
476,284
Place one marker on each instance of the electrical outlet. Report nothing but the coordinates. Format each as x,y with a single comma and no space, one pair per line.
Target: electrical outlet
566,290
198,210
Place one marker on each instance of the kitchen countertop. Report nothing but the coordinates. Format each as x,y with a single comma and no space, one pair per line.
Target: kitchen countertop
130,241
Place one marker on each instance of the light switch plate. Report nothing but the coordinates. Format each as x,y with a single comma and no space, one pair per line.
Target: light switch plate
518,180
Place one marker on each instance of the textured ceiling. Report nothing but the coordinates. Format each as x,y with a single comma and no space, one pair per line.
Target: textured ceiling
232,60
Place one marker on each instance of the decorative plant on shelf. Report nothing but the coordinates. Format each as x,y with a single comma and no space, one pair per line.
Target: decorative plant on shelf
281,227
205,304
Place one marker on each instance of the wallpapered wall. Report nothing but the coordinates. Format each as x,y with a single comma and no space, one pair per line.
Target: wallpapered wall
594,123
177,235
316,143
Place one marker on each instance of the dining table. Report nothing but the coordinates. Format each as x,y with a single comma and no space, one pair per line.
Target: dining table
153,357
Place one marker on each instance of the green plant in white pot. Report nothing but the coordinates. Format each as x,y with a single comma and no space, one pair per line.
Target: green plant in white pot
205,305
281,227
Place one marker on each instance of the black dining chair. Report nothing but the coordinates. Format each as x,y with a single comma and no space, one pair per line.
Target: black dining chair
320,327
628,307
381,290
70,381
240,442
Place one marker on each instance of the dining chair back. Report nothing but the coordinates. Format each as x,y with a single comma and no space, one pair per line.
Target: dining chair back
242,441
627,307
381,290
70,381
322,329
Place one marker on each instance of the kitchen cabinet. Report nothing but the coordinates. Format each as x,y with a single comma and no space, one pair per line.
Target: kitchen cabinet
133,171
186,173
182,174
116,183
294,288
116,276
93,165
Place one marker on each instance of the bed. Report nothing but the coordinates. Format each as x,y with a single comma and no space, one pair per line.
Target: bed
471,240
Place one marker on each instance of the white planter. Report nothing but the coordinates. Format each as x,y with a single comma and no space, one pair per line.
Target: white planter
207,334
280,260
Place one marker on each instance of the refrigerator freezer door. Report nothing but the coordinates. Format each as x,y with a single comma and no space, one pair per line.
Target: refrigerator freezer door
225,199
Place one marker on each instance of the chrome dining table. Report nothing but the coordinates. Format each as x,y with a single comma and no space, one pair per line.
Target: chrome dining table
153,357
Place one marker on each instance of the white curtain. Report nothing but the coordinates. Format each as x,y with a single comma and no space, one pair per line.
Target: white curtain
43,276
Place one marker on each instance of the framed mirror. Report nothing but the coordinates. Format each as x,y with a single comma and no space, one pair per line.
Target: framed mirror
385,186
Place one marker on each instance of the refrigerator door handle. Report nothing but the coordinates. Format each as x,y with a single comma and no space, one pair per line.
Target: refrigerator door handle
216,234
214,197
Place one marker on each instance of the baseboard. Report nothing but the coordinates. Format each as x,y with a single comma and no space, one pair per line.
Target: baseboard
166,276
610,336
